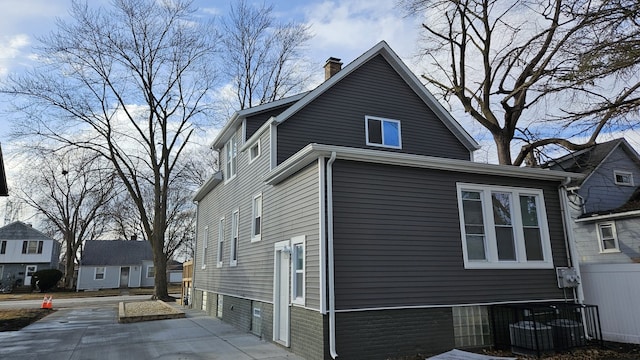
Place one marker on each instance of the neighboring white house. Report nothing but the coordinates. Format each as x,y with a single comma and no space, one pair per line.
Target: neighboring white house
111,264
23,251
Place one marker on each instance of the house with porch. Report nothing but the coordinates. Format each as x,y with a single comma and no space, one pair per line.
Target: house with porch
351,221
23,251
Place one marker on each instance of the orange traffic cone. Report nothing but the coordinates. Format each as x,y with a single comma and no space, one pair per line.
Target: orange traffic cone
47,302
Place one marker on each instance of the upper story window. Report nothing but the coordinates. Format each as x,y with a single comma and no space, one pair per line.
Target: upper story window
383,132
231,160
32,247
220,242
256,219
623,178
235,221
503,227
205,245
607,237
254,151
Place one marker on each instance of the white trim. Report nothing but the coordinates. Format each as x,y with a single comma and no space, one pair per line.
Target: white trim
278,249
614,233
490,242
220,243
251,157
256,237
273,142
620,215
298,240
230,160
204,247
323,234
256,135
383,138
235,241
235,296
312,151
623,173
439,306
147,272
95,272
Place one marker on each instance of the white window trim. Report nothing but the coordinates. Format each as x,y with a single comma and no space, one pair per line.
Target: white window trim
95,272
148,268
220,247
623,173
601,240
258,237
366,127
235,233
251,157
205,245
228,160
491,250
295,241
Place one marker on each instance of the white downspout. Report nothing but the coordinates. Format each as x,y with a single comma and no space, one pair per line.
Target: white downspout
332,299
570,239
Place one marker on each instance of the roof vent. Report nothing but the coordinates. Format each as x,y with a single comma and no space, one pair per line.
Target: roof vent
332,67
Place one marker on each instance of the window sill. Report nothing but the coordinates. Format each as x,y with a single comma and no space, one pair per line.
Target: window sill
233,263
256,239
612,251
508,265
219,265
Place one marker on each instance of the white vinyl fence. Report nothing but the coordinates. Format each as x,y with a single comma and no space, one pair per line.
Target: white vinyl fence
615,288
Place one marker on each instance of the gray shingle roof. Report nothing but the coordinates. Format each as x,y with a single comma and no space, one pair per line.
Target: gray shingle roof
20,231
116,252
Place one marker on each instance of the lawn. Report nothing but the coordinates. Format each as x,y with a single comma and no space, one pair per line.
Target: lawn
68,294
11,320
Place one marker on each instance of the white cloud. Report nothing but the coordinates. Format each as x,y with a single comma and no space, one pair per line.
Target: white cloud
11,48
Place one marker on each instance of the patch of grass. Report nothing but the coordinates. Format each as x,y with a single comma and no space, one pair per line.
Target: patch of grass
16,319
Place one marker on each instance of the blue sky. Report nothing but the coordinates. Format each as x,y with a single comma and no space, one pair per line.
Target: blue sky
342,29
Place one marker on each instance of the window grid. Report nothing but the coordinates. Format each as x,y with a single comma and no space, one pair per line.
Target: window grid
99,273
151,271
256,219
298,270
231,159
623,178
254,151
607,237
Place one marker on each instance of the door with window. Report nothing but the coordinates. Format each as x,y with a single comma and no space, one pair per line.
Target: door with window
124,277
281,291
28,274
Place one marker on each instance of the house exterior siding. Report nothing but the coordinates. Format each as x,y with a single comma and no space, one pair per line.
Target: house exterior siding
337,116
397,241
289,209
600,191
253,123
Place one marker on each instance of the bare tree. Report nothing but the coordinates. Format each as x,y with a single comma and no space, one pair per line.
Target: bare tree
262,56
129,82
517,65
70,191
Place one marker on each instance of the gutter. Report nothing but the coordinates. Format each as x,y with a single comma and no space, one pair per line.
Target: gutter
570,242
619,215
332,285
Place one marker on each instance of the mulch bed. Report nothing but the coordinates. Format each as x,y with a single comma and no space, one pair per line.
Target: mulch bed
12,320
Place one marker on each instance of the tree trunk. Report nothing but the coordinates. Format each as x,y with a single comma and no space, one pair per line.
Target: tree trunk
160,262
69,263
503,145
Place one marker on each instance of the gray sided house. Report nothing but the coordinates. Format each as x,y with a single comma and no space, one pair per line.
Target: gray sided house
605,204
112,264
350,221
23,251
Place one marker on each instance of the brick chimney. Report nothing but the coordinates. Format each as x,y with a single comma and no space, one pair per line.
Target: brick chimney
332,67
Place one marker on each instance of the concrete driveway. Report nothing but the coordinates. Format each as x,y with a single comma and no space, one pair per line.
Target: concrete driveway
94,333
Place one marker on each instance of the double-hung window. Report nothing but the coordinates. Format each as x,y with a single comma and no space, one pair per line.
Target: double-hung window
503,227
231,159
298,266
220,242
99,273
32,247
607,237
235,220
256,218
3,247
151,271
205,245
383,132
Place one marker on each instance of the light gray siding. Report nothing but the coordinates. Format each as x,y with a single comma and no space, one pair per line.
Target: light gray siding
337,116
290,209
600,191
398,243
86,279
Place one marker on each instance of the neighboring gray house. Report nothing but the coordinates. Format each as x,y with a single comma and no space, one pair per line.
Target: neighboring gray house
606,203
350,221
23,251
111,264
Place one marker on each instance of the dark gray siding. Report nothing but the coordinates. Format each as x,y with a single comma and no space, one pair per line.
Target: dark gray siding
398,243
600,191
290,209
392,333
254,122
337,116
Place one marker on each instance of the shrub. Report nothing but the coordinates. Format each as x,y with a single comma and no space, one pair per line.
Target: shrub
45,279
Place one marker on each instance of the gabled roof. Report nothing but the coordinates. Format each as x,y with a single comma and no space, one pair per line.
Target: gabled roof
630,209
20,231
586,161
298,102
4,190
115,252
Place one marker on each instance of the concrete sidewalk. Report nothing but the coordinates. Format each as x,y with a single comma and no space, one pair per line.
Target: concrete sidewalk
94,333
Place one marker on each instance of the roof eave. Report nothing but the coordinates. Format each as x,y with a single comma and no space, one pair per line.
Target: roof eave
213,181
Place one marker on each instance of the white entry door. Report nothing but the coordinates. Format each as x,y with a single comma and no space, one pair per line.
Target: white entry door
28,273
281,291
